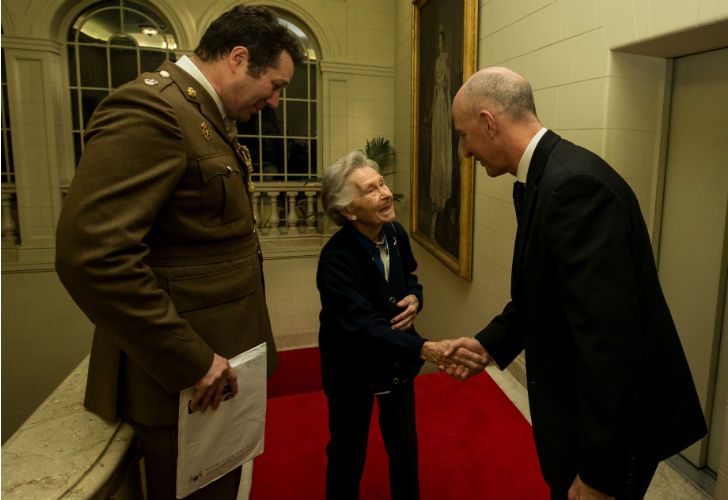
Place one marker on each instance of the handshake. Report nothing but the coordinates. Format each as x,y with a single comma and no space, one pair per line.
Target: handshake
460,358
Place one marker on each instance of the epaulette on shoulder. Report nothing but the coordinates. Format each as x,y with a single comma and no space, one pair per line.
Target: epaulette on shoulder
156,80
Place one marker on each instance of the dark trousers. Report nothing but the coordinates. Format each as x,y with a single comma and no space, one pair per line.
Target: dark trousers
159,448
638,480
349,418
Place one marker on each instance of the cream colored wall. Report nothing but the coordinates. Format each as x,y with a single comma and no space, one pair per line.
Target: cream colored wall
648,26
293,307
609,102
402,103
356,38
721,487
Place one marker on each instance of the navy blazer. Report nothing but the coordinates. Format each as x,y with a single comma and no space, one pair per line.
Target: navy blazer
607,375
359,349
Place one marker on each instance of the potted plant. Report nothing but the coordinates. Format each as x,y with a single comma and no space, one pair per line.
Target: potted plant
381,151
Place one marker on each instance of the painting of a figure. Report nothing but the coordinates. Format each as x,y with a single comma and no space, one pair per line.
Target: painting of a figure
443,53
441,161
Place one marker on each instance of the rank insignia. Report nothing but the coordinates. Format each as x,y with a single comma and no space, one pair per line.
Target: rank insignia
150,81
206,132
191,92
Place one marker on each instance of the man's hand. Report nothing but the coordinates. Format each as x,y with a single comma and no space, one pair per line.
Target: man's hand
581,491
458,360
406,319
209,390
466,356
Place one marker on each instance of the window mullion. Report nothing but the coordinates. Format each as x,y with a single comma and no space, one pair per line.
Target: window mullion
308,117
285,138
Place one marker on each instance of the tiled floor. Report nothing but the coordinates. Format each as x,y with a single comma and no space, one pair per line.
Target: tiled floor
668,484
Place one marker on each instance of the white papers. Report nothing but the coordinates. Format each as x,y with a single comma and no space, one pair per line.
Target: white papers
213,443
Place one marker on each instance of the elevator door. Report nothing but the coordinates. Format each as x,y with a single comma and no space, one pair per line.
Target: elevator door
692,251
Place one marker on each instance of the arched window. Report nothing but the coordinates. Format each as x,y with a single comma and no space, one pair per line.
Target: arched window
284,142
9,201
8,171
109,44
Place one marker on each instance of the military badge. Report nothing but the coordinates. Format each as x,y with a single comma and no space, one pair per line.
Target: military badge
191,92
206,132
244,155
150,81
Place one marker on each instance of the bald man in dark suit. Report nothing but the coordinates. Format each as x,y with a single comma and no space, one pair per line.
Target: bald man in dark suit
156,242
609,387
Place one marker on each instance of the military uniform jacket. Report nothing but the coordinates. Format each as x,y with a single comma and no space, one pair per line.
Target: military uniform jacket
156,245
360,352
607,376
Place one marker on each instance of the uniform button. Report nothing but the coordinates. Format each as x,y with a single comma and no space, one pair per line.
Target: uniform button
396,365
229,170
392,300
395,381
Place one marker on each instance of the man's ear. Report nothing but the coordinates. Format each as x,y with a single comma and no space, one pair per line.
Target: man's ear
238,55
488,121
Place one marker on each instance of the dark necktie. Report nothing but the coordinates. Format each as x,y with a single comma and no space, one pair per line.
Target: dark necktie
519,193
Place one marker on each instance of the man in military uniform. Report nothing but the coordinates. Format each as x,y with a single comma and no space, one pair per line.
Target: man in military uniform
156,241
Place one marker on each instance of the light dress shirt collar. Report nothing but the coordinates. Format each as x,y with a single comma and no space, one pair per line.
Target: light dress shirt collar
188,66
525,162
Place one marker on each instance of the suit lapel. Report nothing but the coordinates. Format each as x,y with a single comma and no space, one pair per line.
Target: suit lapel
535,173
396,276
359,252
395,266
198,95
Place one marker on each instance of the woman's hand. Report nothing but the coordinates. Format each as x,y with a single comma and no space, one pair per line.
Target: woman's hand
406,319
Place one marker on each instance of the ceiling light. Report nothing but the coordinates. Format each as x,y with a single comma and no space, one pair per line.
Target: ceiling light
149,29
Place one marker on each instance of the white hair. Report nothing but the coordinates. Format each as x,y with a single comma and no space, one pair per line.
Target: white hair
336,192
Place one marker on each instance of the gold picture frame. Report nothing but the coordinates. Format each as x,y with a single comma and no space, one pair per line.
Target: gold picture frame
444,41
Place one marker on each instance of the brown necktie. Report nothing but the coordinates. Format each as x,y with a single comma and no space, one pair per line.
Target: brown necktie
232,130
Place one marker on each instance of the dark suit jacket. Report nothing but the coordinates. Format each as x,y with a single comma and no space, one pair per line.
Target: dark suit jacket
360,352
607,376
156,245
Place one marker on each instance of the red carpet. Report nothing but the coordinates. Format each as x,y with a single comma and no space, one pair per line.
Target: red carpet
474,444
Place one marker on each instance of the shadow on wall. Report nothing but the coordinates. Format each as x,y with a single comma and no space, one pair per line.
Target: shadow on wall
44,337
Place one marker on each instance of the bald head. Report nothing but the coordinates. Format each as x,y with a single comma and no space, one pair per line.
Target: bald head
495,118
500,87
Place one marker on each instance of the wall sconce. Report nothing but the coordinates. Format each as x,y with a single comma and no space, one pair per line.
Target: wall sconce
148,29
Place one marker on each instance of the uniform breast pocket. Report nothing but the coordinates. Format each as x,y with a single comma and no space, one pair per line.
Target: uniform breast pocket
222,198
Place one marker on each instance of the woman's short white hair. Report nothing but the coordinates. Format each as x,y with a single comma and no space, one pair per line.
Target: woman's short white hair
336,192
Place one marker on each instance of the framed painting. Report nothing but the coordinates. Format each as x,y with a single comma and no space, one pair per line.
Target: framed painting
444,39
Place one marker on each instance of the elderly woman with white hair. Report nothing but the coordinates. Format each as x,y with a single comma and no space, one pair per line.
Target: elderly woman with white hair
369,348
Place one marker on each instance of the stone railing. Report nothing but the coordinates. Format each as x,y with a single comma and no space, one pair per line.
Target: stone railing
280,208
10,233
64,451
287,208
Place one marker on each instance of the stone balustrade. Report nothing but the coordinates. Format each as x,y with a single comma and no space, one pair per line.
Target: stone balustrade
64,451
10,234
287,208
282,208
